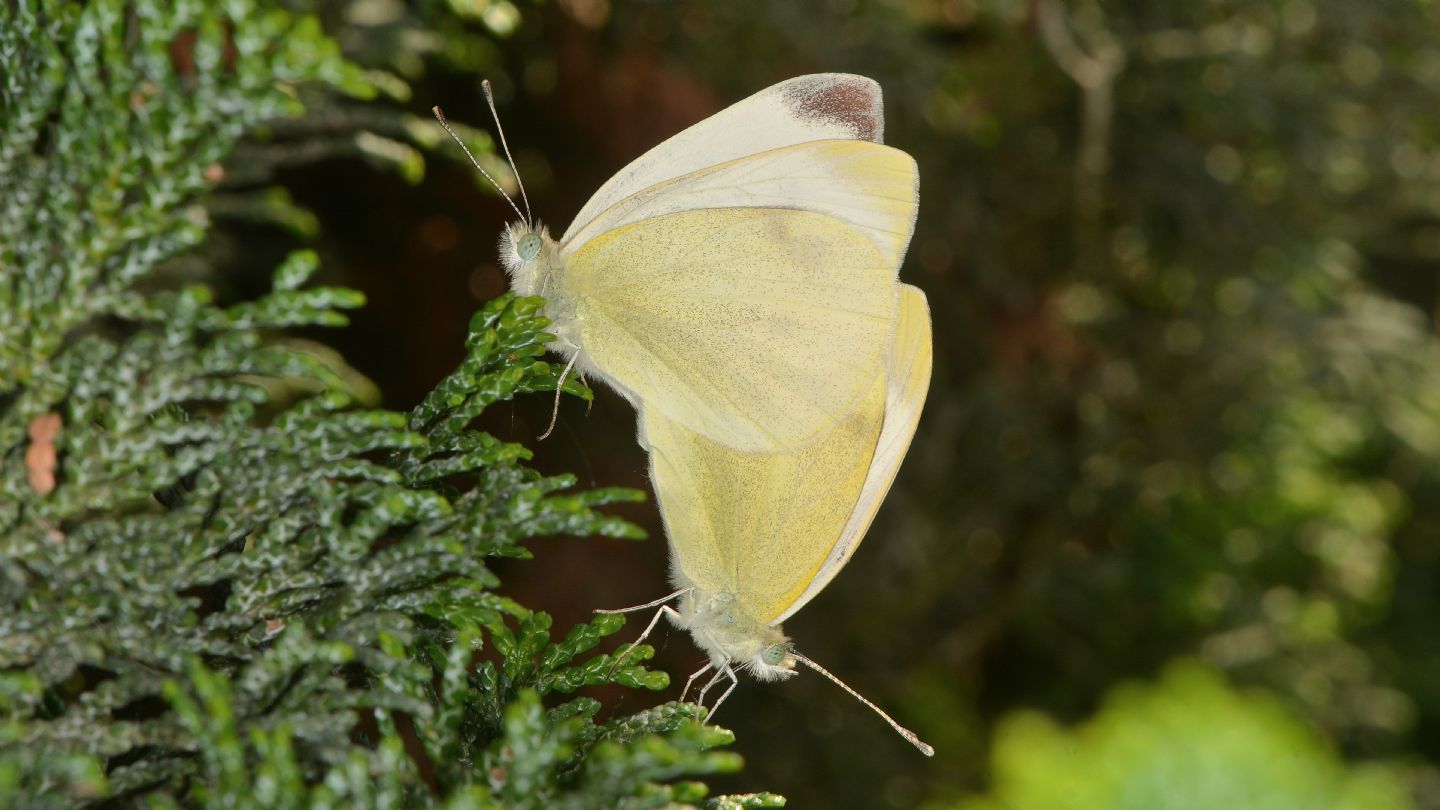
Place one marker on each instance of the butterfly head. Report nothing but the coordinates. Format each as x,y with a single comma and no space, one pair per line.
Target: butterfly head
529,256
724,631
774,662
527,247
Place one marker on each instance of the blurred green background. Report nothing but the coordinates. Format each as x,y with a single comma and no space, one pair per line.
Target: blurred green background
1167,536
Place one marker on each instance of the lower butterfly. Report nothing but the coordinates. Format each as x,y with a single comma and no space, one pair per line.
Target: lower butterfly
755,536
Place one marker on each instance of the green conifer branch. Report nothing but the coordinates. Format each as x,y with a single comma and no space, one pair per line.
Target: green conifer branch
222,581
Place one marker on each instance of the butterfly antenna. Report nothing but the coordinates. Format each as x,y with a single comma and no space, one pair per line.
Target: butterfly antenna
901,730
490,99
440,116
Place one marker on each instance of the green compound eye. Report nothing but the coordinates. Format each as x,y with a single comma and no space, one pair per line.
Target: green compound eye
528,246
773,655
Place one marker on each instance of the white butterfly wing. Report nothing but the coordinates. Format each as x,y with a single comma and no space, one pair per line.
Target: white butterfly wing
771,529
863,185
756,527
911,359
820,106
758,328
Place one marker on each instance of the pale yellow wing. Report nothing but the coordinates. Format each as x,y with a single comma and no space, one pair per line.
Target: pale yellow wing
816,107
861,184
758,328
772,529
911,357
758,526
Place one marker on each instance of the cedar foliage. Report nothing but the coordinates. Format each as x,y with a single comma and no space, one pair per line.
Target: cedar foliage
224,582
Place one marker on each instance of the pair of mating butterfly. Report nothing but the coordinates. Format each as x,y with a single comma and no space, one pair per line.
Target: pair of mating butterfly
738,284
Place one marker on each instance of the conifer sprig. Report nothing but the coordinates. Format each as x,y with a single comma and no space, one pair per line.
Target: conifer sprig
224,583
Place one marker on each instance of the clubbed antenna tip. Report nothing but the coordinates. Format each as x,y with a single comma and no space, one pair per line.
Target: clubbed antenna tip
909,735
440,116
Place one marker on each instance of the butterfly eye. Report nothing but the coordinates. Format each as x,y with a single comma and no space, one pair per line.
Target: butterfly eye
773,655
528,246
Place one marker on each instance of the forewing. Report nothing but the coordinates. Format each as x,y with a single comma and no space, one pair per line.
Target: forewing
911,357
816,107
758,526
866,186
758,328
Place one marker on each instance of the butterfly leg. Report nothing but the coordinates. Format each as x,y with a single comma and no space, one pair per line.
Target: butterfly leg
559,389
662,600
691,682
664,609
734,682
714,679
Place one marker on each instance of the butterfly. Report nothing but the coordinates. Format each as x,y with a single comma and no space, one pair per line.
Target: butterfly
741,277
755,536
738,285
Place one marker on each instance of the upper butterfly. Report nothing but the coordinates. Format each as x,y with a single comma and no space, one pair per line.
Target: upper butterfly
741,277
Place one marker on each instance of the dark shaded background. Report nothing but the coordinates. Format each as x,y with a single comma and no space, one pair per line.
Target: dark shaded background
1182,258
